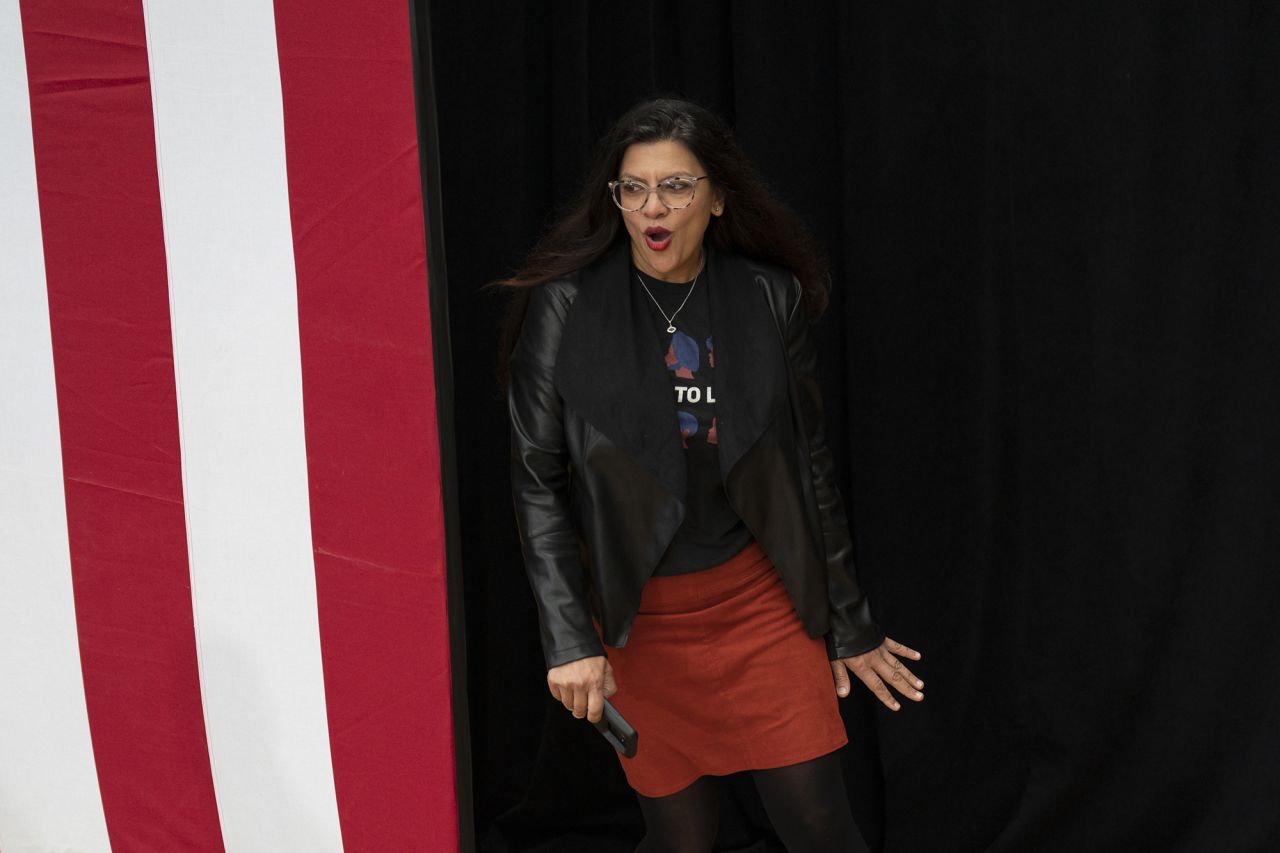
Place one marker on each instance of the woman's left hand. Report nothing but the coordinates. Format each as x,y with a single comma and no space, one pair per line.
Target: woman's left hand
878,666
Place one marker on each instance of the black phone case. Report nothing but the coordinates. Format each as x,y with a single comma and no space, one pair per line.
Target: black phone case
618,731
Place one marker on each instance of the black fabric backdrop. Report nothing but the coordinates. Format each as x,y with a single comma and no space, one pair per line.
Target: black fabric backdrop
1051,367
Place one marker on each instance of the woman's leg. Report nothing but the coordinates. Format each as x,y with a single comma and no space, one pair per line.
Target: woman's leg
683,822
809,808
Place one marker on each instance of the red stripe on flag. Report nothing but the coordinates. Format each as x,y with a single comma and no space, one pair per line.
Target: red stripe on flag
109,312
369,401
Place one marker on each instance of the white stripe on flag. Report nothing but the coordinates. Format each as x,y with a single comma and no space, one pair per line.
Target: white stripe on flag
49,798
215,84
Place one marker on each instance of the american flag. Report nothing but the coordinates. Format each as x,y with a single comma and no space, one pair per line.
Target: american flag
222,574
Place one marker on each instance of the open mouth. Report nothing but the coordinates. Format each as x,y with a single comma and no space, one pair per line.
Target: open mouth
657,238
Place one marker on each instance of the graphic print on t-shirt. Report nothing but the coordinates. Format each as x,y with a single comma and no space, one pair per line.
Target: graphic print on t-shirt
696,397
682,355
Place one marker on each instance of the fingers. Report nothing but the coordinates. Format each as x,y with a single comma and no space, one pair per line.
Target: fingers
899,649
581,686
880,668
896,674
876,686
841,676
595,705
576,699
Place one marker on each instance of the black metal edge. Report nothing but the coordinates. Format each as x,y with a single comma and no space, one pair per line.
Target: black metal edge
442,356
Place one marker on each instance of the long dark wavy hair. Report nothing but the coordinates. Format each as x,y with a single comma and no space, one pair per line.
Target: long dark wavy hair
754,223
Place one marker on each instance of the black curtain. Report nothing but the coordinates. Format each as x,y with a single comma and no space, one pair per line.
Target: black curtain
1051,367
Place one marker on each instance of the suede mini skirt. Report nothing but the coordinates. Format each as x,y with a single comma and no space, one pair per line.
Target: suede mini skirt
719,676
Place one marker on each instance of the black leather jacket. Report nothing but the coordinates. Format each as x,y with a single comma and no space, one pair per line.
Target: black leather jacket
597,469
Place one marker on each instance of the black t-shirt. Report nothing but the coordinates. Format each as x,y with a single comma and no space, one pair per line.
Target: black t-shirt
711,532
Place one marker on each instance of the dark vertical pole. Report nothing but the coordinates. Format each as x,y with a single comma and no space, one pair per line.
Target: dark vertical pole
438,295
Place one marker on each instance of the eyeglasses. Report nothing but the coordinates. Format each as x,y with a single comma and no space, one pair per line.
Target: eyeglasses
675,192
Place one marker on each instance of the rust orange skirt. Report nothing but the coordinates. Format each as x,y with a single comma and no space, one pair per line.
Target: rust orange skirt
719,676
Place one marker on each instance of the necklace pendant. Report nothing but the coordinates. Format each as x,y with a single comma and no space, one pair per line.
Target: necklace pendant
670,329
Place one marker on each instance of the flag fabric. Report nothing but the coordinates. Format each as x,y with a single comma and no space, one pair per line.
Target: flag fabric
223,617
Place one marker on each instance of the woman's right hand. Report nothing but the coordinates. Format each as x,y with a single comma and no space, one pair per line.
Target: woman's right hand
583,685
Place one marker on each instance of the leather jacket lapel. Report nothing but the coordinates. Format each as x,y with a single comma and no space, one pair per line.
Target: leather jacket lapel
610,370
750,359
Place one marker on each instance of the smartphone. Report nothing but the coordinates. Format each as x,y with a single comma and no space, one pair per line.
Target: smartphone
618,731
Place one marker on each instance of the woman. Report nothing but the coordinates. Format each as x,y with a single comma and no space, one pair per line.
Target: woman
673,489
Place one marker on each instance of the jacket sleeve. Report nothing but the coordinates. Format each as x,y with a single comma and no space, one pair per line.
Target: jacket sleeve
540,485
852,629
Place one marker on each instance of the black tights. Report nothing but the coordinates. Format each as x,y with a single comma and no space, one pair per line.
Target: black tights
806,803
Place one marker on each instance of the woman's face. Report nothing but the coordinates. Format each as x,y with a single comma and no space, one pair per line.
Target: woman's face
667,244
